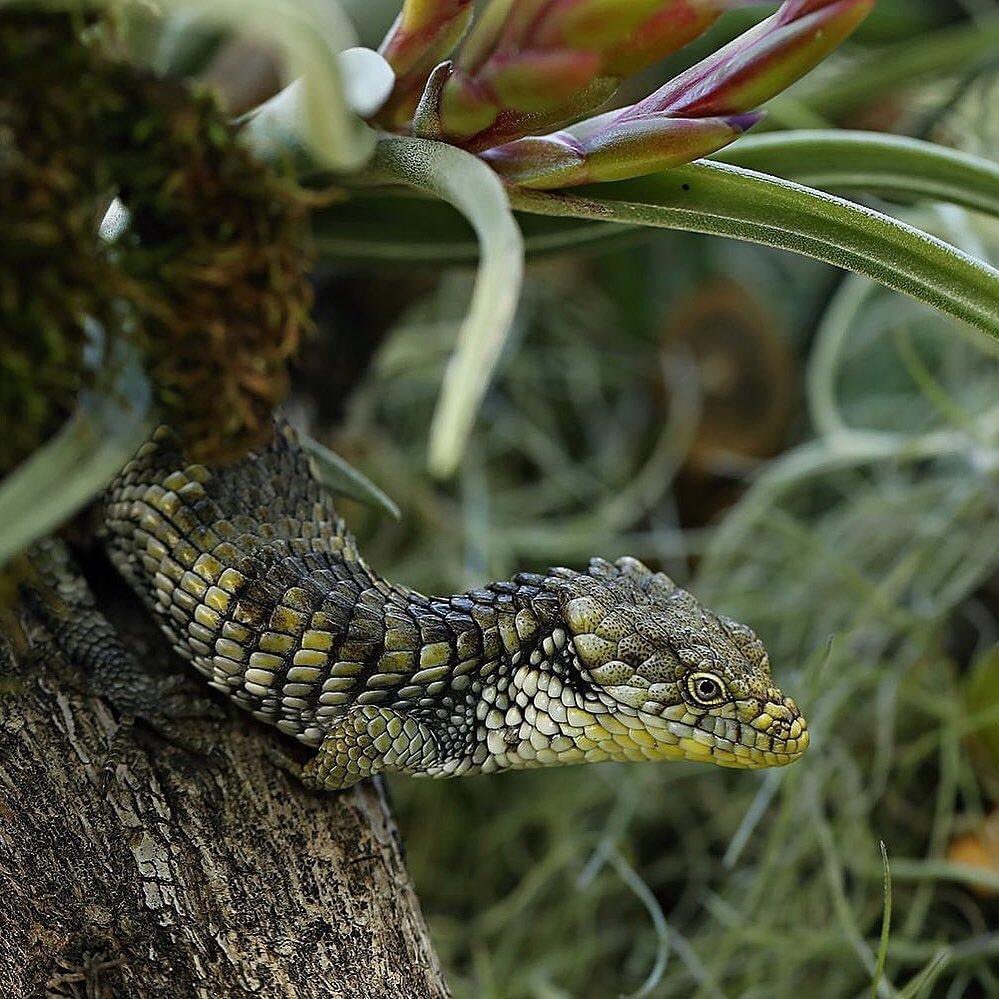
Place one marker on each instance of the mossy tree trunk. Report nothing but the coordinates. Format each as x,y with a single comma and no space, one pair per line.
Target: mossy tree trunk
193,871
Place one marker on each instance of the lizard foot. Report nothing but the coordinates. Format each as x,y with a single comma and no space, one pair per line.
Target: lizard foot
84,650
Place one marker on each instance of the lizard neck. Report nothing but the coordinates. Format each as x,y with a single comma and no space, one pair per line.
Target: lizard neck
455,646
482,658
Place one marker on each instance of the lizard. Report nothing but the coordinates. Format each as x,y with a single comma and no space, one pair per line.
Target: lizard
255,580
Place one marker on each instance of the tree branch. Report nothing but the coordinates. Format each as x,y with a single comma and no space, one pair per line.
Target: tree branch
193,873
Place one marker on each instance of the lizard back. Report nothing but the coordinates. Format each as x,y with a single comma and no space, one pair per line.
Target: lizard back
251,574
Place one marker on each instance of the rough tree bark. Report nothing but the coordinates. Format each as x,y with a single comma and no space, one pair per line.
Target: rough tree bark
193,872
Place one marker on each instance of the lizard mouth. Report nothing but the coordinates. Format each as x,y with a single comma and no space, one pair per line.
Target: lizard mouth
728,742
774,753
745,735
771,734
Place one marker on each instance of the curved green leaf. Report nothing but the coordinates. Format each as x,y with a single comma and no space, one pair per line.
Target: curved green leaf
879,968
892,164
67,472
339,476
382,227
725,200
314,109
367,78
467,183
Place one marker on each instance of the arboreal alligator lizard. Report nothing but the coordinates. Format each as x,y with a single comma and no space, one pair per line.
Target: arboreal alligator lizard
254,578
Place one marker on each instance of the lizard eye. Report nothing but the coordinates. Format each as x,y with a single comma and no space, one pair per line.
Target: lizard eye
706,689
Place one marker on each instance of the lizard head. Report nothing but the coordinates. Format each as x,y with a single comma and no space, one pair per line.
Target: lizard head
637,669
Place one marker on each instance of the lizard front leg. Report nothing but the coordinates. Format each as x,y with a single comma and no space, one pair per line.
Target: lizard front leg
96,661
368,740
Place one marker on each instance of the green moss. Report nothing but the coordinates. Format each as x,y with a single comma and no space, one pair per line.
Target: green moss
215,248
51,275
209,278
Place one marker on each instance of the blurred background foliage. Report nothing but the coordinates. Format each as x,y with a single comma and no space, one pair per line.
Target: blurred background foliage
819,458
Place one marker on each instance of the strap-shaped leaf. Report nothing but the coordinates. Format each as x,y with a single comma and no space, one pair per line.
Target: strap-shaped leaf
892,164
726,200
466,182
384,227
339,476
66,473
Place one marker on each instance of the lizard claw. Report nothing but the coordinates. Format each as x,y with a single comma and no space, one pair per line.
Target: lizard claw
115,755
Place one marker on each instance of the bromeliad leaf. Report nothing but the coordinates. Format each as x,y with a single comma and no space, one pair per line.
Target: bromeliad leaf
954,51
341,477
726,200
467,183
382,226
63,476
894,165
311,34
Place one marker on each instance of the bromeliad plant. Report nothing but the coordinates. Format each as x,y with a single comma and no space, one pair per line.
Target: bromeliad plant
518,97
539,64
499,110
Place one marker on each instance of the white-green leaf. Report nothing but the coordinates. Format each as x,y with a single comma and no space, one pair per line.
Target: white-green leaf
894,165
726,200
66,473
467,183
368,79
311,34
339,476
